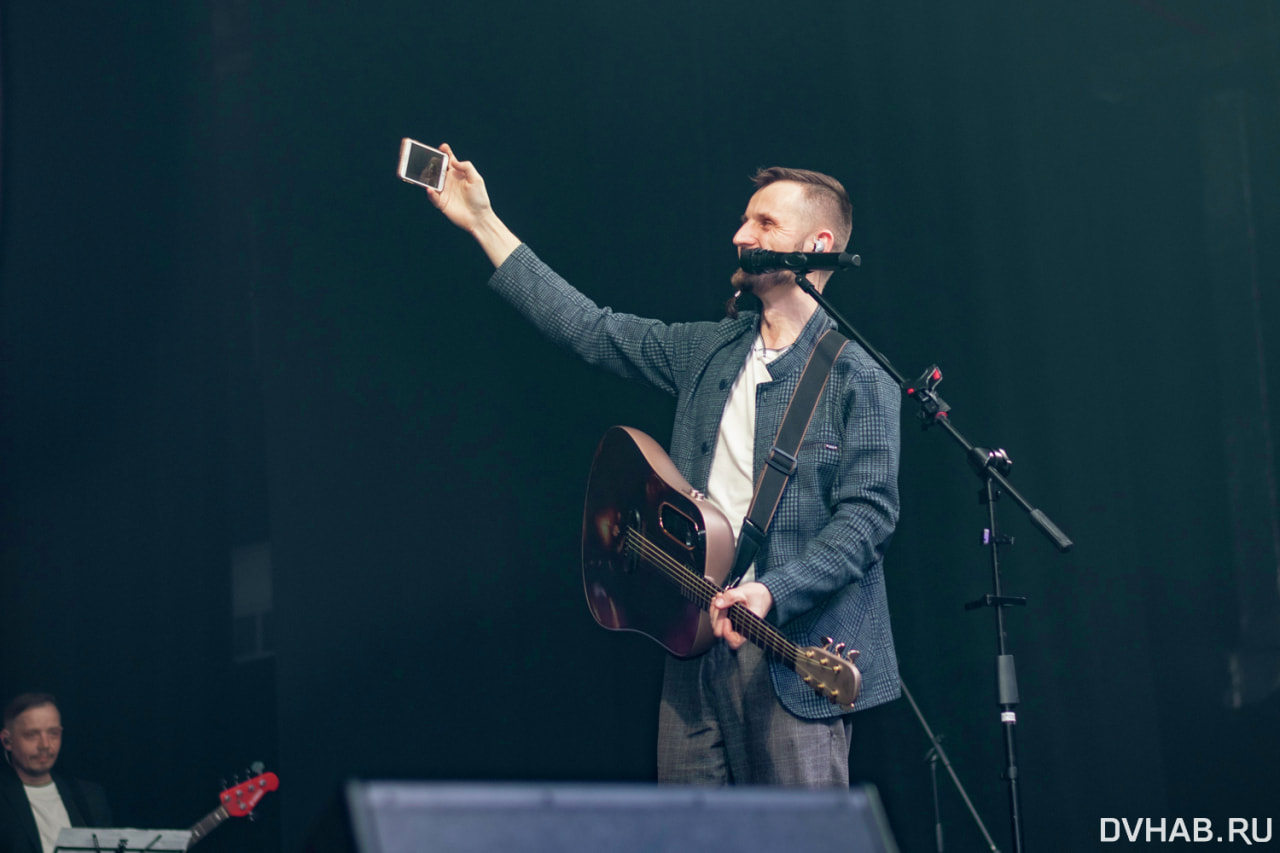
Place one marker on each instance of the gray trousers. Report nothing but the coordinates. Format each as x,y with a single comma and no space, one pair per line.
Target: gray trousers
720,723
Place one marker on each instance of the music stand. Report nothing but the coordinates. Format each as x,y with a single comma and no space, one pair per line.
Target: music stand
78,838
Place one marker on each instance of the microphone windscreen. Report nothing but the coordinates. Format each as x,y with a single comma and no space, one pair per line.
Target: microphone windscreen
757,260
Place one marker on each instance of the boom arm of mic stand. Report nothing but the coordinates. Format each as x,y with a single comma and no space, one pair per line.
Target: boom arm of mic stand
934,411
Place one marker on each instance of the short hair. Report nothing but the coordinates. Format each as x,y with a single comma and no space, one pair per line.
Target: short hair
25,702
827,198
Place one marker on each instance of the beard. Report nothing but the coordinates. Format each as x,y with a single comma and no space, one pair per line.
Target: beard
33,765
755,284
759,282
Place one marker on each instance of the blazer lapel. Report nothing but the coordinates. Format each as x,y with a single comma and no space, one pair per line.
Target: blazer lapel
19,808
70,794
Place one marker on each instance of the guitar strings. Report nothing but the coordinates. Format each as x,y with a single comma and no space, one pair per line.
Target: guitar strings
702,590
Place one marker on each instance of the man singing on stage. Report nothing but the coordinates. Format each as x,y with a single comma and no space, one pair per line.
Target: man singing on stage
731,716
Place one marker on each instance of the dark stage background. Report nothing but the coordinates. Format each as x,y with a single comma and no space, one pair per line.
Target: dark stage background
281,480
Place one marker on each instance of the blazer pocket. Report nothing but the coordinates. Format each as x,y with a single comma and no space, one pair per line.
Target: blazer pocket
824,456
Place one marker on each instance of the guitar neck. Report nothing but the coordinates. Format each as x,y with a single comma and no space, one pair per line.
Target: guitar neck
753,627
208,823
702,592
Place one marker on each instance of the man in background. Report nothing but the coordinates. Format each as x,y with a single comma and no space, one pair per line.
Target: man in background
35,802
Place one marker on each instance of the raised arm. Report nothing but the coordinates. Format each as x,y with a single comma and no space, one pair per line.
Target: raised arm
634,347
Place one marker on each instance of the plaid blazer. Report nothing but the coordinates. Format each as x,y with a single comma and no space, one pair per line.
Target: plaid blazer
823,558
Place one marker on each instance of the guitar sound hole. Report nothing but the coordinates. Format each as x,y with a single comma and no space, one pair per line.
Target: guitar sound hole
678,526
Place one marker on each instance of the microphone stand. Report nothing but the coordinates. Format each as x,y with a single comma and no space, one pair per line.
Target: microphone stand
992,467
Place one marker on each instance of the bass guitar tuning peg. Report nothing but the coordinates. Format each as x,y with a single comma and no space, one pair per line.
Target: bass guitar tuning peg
839,649
826,642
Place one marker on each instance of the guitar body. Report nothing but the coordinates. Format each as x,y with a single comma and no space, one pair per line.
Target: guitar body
634,484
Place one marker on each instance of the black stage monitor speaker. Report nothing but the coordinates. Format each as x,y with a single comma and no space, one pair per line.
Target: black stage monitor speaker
420,817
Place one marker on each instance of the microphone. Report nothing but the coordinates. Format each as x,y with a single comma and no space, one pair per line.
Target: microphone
762,260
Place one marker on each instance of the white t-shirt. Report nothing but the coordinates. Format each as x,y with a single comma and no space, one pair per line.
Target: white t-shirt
732,482
51,815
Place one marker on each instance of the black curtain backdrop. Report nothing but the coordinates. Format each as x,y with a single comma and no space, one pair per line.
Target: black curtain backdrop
226,322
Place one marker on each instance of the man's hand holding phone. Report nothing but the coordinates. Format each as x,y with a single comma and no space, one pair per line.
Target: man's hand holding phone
464,200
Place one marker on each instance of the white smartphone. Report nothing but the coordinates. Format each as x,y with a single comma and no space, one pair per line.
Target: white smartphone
422,165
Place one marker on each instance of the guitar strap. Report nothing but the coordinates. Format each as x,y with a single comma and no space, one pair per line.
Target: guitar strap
781,463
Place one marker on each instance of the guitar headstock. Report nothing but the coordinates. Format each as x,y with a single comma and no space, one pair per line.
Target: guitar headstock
831,672
240,800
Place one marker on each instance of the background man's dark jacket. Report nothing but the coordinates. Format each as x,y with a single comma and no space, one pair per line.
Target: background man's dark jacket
86,805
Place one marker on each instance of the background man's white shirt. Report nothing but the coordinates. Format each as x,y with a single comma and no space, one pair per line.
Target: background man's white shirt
51,815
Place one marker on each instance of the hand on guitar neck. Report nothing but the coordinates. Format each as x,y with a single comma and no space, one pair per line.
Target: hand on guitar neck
753,596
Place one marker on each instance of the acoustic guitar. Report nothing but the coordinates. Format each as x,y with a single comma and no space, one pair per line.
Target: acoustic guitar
655,552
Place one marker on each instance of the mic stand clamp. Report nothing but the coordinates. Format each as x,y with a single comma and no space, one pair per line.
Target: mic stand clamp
925,393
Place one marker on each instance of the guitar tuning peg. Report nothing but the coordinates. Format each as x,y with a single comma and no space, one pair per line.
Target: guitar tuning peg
826,642
839,648
253,816
223,783
257,767
853,655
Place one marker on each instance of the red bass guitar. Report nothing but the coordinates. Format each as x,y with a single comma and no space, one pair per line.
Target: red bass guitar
237,801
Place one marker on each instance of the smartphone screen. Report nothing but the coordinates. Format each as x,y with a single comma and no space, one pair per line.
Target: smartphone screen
422,165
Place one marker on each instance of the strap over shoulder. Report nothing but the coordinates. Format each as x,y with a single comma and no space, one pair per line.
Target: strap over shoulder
786,448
